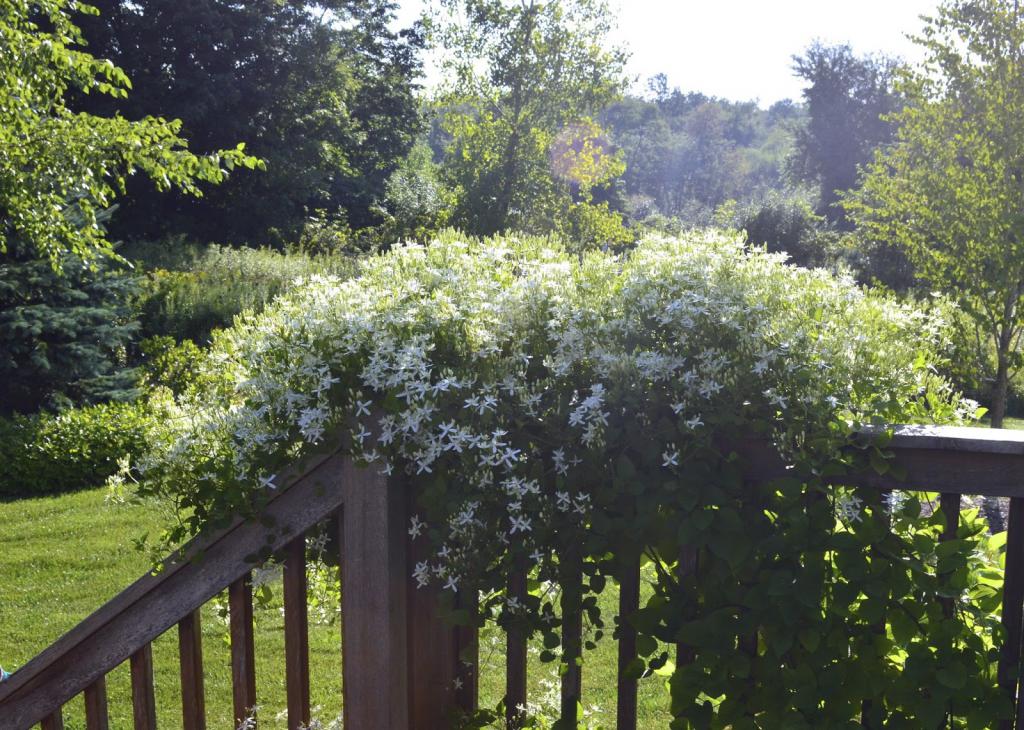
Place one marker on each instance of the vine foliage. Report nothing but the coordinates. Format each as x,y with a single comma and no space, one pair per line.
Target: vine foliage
572,414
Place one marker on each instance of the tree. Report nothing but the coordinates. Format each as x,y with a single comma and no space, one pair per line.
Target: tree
60,170
847,99
323,91
687,153
950,189
523,77
64,333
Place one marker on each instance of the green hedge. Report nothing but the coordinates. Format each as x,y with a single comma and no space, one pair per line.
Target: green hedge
76,449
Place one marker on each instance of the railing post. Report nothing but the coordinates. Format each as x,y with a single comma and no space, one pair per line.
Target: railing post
440,683
374,577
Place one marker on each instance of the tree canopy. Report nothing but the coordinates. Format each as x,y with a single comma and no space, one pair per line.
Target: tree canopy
59,170
523,81
322,91
847,98
950,189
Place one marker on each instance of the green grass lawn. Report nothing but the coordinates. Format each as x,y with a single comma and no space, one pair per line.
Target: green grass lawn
63,557
1016,424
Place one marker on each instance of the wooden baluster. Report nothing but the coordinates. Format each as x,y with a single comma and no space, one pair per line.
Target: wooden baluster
243,651
53,721
190,649
96,717
950,506
629,603
1013,601
467,654
296,634
374,580
515,656
877,501
688,565
143,701
572,639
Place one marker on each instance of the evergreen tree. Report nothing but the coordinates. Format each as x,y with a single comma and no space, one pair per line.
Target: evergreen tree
63,332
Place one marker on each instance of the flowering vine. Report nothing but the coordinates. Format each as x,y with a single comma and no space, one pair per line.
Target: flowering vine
565,415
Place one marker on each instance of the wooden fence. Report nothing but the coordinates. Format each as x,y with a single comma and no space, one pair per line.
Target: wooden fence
400,661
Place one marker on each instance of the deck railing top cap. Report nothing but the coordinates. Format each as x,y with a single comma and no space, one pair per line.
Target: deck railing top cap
955,438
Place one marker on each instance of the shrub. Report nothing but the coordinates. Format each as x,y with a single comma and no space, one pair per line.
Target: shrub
169,364
213,285
77,449
569,412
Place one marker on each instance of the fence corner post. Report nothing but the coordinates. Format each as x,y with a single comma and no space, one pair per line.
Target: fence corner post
374,600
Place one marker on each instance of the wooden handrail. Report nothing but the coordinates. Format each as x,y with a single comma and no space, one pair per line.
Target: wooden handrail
403,666
947,459
156,602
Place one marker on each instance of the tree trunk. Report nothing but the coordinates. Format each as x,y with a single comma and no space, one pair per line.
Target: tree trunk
992,506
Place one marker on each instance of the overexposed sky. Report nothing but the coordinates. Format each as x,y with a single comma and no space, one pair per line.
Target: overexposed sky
742,49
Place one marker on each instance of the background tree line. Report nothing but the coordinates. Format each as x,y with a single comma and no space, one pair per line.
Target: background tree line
314,119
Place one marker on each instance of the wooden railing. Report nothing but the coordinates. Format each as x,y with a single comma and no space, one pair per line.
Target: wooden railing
402,666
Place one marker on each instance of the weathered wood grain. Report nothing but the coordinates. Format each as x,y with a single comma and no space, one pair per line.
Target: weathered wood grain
243,648
438,681
143,699
53,721
190,653
976,461
374,577
96,717
296,634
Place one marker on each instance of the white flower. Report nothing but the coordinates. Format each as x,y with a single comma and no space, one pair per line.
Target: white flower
363,407
670,457
849,507
268,482
519,524
416,527
692,423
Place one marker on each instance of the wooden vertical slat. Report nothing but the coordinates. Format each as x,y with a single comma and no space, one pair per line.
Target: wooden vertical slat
373,588
53,721
1013,601
950,505
243,650
629,603
688,565
467,654
572,639
143,699
96,717
515,656
190,649
296,634
878,501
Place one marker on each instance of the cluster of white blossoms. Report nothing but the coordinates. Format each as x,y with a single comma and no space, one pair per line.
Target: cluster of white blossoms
499,375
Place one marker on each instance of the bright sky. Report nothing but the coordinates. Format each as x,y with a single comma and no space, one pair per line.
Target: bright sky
742,49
